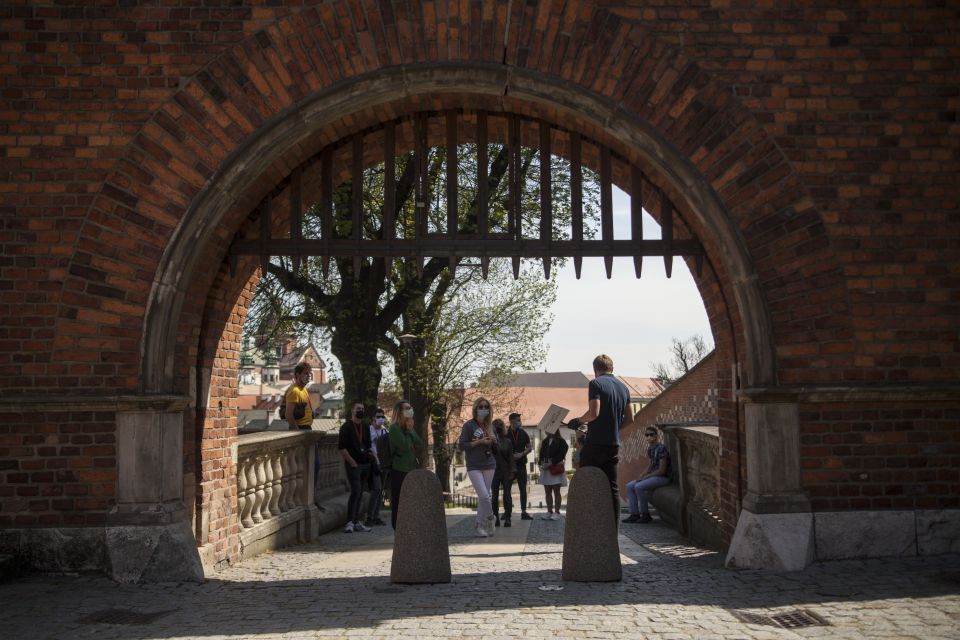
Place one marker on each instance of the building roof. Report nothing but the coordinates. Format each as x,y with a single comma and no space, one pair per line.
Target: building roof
545,379
531,393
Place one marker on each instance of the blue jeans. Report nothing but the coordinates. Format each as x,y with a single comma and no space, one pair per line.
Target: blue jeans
637,492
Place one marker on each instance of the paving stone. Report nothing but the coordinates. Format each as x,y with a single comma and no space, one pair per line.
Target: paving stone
339,586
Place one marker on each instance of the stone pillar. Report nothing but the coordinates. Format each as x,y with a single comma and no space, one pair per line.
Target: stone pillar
775,527
148,537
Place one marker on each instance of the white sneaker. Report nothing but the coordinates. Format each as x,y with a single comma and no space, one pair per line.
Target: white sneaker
348,528
481,533
547,516
555,516
490,526
359,526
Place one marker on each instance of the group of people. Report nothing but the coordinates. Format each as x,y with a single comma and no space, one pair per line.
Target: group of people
376,455
495,455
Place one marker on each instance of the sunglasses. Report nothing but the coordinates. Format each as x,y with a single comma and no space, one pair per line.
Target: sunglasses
650,435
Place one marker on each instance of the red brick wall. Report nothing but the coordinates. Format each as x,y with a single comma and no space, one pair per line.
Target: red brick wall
691,399
60,472
828,134
894,455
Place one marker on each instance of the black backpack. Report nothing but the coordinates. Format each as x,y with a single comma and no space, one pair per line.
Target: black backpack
383,450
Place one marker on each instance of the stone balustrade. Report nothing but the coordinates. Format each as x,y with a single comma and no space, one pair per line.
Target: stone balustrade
692,501
275,488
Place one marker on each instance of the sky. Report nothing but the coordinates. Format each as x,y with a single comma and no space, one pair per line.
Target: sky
630,320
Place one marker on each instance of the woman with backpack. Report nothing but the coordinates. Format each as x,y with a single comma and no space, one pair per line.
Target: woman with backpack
404,444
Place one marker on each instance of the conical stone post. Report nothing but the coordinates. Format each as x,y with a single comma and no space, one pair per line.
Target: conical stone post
591,552
421,554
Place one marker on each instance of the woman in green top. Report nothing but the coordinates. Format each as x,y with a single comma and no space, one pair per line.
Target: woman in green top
404,444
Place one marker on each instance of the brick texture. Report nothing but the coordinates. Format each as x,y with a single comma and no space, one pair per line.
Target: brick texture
829,135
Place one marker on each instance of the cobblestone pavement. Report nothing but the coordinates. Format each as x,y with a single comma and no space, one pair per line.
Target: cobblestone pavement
507,586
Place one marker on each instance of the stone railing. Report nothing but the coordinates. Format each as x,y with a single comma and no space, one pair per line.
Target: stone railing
275,489
692,501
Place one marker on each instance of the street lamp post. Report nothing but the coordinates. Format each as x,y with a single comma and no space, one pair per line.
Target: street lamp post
407,341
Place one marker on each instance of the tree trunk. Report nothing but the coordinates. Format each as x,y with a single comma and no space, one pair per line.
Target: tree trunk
357,354
441,451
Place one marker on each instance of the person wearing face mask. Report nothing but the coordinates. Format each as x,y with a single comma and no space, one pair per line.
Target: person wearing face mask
479,445
503,476
404,444
355,448
377,470
298,409
521,448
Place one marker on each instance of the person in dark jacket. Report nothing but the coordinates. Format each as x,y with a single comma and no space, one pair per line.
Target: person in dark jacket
553,452
503,476
355,449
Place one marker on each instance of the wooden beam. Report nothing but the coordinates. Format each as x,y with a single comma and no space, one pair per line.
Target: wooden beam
606,205
546,191
576,198
389,181
326,207
265,234
452,185
421,191
636,212
296,215
666,226
356,200
483,169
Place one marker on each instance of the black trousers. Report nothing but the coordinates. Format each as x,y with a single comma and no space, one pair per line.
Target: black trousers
507,498
606,459
357,477
396,483
521,477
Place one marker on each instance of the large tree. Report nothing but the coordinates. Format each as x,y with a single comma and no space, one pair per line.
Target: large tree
363,312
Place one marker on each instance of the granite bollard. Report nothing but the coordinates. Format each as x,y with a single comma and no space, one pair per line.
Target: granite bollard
421,554
591,552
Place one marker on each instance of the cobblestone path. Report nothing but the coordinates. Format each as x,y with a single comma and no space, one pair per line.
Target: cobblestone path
507,586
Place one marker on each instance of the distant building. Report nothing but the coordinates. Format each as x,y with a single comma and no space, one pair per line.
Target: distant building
266,372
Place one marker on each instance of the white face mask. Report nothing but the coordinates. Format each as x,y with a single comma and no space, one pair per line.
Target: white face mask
408,413
379,419
483,413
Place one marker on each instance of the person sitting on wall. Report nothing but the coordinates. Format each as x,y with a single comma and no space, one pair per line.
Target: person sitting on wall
656,475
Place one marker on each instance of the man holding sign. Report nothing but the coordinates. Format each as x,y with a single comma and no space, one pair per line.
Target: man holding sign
608,411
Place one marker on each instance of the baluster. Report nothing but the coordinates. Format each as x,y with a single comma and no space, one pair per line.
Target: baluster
243,494
259,479
298,480
254,495
278,488
289,485
267,487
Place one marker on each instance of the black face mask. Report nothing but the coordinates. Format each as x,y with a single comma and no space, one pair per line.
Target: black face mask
358,414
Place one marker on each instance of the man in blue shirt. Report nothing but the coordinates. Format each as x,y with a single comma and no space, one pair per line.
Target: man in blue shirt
608,411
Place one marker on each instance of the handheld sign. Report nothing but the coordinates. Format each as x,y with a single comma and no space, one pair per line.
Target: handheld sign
552,419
